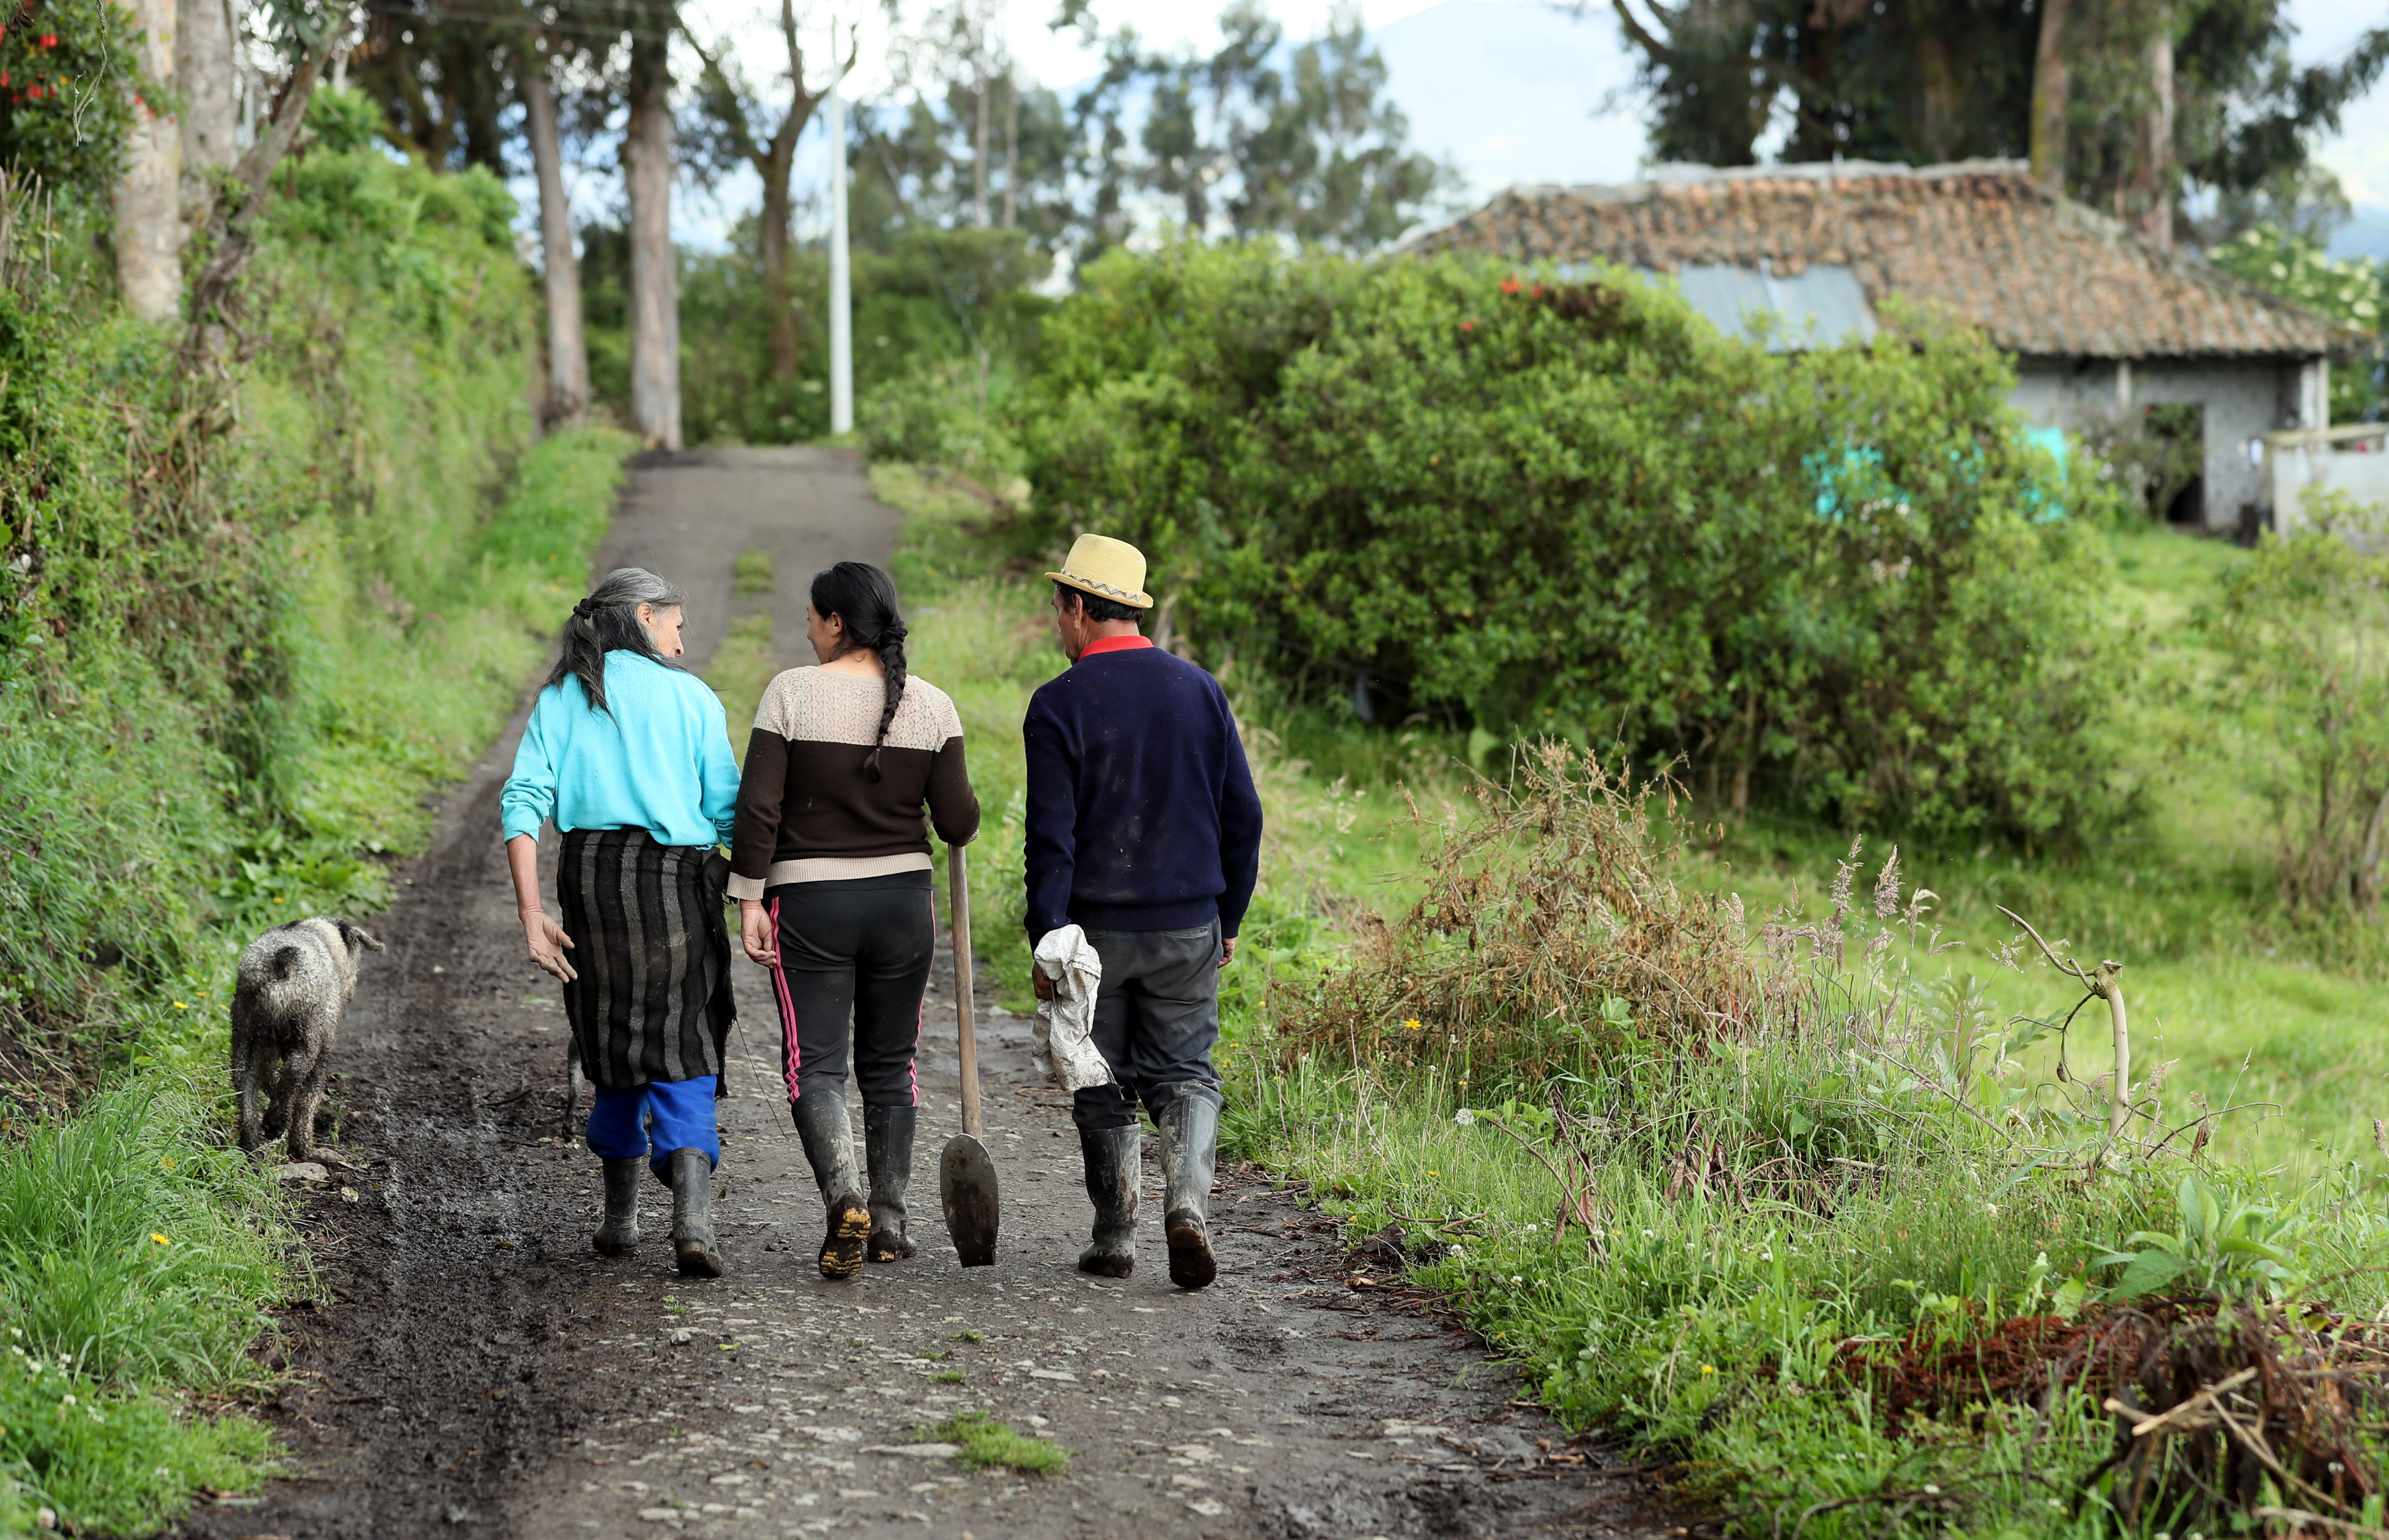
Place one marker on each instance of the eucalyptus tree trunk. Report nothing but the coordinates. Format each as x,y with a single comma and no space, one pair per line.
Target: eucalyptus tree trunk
150,198
567,351
2051,86
979,141
2154,181
654,282
207,70
1010,152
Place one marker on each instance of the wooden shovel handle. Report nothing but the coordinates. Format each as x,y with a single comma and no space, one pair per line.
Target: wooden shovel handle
965,1009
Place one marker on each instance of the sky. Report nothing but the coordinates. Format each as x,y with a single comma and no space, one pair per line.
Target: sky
1510,91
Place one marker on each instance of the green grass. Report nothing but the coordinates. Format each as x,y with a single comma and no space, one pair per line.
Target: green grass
740,670
1707,1319
750,576
987,1444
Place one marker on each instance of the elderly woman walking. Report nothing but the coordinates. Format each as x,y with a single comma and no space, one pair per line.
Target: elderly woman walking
831,871
631,758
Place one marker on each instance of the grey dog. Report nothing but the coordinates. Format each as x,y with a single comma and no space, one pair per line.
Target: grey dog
295,980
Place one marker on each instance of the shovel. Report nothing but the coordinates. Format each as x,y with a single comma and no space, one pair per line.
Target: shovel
965,1175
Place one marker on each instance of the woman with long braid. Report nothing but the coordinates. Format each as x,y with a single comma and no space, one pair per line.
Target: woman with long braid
830,865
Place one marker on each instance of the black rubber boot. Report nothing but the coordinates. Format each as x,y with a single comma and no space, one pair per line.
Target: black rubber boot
1189,1145
1113,1176
692,1185
888,1153
619,1235
829,1145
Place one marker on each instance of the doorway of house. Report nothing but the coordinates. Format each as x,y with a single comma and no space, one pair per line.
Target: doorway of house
2173,468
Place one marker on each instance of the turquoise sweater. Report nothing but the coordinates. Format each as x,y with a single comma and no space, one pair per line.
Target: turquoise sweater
660,761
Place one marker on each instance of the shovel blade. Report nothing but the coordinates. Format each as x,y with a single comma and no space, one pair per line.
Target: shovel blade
966,1185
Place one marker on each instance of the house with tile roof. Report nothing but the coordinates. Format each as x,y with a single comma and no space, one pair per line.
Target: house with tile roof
2100,323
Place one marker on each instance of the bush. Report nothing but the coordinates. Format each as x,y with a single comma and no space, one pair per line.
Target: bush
2301,629
71,81
1541,508
937,416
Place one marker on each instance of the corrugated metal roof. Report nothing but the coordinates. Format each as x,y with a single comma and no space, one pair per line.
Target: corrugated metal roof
2040,276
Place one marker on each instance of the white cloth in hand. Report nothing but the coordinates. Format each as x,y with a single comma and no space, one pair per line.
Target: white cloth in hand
1062,1045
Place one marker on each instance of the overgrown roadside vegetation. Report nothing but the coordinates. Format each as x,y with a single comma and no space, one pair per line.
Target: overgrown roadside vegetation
1773,1152
1766,1187
244,628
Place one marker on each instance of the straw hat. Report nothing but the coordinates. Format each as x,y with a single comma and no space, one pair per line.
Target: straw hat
1106,568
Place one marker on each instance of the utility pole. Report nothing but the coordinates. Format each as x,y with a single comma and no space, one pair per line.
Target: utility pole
841,305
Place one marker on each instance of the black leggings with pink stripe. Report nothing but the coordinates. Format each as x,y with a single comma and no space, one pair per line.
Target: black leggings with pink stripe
860,951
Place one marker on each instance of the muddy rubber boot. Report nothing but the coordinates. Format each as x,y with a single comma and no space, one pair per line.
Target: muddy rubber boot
1113,1177
1189,1144
692,1185
829,1145
888,1154
619,1235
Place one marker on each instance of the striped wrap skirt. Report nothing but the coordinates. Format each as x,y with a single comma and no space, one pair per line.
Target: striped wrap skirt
653,999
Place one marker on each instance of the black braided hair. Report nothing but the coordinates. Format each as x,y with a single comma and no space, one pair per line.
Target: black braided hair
609,622
864,598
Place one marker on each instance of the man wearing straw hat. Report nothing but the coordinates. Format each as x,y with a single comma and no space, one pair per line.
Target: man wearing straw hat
1143,829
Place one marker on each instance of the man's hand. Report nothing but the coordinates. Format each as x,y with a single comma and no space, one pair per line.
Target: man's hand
1037,979
1227,950
548,944
756,933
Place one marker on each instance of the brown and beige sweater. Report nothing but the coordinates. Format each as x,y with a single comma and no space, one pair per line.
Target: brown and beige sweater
808,812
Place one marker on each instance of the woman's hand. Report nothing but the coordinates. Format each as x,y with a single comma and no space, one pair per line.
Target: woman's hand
756,933
548,944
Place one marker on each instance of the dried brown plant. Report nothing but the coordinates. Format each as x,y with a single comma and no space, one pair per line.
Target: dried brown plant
1551,925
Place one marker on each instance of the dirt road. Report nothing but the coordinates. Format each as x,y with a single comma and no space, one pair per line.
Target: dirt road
478,1370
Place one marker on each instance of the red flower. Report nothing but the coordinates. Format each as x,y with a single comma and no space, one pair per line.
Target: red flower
36,93
50,39
4,77
1468,325
1510,284
1535,293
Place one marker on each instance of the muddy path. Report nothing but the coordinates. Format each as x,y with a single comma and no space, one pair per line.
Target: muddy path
476,1369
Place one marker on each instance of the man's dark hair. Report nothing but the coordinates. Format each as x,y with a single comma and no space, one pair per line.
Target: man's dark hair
1098,609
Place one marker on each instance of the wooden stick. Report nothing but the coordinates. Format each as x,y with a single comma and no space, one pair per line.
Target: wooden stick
965,1012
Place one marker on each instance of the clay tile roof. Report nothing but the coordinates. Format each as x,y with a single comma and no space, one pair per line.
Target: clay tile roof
2039,274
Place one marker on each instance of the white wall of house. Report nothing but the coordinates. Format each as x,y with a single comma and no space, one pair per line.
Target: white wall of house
2354,460
2244,400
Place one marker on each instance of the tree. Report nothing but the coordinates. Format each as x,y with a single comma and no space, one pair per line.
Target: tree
1309,149
2133,107
655,275
730,123
1878,83
442,76
208,73
568,348
150,195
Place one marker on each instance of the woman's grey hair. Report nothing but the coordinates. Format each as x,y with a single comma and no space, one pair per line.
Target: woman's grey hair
609,622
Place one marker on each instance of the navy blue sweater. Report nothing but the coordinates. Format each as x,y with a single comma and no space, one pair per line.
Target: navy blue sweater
1142,812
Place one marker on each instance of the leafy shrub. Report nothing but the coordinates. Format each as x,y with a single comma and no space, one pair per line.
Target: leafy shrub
2304,628
1572,508
71,82
937,415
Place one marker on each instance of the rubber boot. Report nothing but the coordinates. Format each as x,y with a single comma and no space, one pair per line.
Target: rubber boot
1190,1146
1113,1176
888,1153
692,1185
829,1145
619,1235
